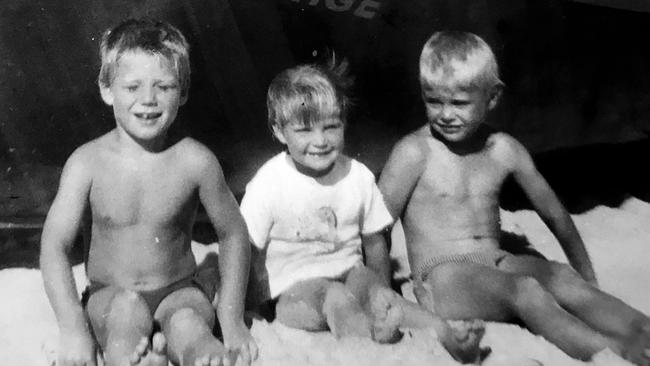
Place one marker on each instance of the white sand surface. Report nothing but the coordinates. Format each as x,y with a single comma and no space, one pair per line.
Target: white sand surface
617,238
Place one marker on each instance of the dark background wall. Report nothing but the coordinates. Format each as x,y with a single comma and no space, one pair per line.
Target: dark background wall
578,89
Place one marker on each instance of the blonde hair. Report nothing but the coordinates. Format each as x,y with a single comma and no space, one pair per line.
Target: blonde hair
155,37
461,57
308,93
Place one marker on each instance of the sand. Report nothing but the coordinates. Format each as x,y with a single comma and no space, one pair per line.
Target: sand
618,239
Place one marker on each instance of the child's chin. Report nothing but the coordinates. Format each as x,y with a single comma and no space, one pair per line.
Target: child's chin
319,169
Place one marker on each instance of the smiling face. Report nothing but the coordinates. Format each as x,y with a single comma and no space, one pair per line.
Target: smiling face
314,148
145,95
456,112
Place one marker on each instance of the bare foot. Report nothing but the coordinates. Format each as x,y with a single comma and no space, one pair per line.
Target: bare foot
637,349
154,354
209,352
345,317
462,341
387,315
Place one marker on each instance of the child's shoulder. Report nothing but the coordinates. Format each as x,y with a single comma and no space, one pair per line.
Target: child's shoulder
273,166
507,149
414,146
357,169
193,152
270,171
504,144
91,151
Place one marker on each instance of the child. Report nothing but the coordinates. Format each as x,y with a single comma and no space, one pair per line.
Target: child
314,214
139,192
444,181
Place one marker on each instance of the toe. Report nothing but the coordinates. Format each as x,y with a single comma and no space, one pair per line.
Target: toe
159,343
202,361
478,324
140,351
254,350
142,347
134,359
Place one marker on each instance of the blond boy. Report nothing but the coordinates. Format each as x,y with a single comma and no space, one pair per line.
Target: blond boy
444,180
138,191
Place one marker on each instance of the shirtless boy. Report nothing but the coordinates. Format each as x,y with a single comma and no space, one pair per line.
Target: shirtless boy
138,191
444,180
317,220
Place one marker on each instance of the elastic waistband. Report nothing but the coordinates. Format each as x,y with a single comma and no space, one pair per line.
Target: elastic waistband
486,257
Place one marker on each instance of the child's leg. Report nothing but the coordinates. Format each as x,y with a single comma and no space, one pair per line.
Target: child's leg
321,304
345,316
599,310
301,305
467,290
380,303
602,311
391,311
122,324
187,318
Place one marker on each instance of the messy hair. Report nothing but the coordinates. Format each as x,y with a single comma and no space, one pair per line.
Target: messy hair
462,57
308,93
155,37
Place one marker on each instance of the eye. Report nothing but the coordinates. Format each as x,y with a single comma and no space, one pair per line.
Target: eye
166,87
131,88
433,102
333,126
460,102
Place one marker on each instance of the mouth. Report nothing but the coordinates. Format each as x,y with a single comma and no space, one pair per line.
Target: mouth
148,116
449,128
319,154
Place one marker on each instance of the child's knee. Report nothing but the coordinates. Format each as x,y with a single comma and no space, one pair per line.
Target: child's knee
337,293
528,291
563,274
187,322
127,309
300,314
339,296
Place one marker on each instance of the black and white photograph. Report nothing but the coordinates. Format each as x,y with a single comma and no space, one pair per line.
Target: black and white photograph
324,182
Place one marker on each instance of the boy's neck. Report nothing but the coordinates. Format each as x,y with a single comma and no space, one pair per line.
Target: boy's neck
130,143
472,144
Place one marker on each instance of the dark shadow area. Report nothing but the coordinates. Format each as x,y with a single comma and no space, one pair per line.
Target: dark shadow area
587,176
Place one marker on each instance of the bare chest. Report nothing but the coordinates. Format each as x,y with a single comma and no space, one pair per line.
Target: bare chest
462,178
126,195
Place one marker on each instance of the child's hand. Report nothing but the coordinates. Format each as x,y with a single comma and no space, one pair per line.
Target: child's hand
76,349
240,340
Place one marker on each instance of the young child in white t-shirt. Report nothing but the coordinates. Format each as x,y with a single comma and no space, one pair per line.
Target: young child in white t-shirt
315,216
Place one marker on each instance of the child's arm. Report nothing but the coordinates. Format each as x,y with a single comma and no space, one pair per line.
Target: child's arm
552,212
76,345
401,173
234,255
255,210
375,250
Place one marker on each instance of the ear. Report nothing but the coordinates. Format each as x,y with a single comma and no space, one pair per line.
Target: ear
107,95
277,132
184,97
495,95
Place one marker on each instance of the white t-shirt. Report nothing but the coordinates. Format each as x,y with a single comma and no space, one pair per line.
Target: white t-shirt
311,229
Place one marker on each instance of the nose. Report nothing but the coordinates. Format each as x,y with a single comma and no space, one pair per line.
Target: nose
148,96
446,114
319,138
